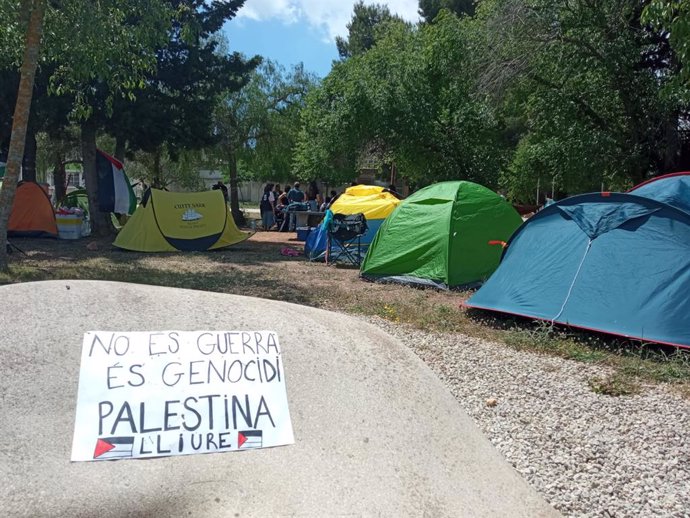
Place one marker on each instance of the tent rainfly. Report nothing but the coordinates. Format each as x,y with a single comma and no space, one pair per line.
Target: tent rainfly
440,235
609,262
172,221
32,212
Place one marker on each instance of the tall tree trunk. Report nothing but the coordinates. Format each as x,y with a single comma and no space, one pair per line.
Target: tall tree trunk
120,148
59,176
21,118
157,182
237,214
29,162
394,175
101,224
672,138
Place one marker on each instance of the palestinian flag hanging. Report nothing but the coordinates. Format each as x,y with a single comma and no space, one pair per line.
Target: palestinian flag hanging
115,193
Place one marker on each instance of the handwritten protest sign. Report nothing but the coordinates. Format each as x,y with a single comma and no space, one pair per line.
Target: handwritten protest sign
153,394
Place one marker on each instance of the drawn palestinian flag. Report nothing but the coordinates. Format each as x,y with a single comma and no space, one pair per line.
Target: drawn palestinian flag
113,448
249,439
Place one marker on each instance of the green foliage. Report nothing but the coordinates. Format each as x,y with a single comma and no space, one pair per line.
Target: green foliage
363,29
259,124
429,9
579,76
12,28
672,17
103,48
193,69
162,170
410,97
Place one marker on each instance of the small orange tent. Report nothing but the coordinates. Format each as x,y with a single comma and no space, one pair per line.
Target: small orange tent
32,213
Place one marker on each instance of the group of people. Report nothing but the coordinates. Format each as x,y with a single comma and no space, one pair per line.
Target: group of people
275,201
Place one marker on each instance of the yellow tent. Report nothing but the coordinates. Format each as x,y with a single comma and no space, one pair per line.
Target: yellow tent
375,202
171,221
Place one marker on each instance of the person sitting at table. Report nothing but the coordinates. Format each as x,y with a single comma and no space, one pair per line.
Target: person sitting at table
295,195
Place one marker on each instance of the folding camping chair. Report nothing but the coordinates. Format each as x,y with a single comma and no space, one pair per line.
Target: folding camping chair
345,233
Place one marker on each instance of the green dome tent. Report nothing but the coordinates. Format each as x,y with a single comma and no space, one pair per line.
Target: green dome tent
440,237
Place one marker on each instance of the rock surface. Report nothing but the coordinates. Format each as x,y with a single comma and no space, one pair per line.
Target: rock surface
377,434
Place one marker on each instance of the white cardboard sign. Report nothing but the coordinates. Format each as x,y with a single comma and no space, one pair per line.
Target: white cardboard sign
154,394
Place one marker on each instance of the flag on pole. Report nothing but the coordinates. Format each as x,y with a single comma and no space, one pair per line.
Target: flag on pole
115,194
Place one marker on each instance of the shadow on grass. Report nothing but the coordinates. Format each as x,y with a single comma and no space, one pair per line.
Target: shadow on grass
247,252
233,281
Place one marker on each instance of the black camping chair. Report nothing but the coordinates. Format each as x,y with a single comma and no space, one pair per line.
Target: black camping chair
345,233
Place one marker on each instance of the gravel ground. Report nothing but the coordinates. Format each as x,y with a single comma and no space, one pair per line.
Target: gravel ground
587,454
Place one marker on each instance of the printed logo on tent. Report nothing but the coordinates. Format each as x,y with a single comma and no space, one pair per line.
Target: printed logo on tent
113,448
249,439
191,215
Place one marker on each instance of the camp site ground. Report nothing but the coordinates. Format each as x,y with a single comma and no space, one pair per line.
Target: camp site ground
593,430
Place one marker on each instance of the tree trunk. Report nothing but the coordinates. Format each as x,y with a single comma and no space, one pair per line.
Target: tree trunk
59,176
29,162
237,214
394,175
672,143
21,119
120,147
157,180
101,224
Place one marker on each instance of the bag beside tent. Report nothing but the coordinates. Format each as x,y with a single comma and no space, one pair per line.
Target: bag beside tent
32,213
439,237
608,262
171,221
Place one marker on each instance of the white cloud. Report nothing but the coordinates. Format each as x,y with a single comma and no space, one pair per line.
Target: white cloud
329,17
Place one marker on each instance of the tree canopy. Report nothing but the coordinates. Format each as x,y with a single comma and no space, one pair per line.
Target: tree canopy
569,96
409,100
257,126
363,29
429,9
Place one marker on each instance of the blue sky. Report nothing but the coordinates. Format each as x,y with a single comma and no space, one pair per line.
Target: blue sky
288,44
290,31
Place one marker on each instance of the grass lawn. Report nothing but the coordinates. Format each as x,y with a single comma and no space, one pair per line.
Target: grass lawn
256,268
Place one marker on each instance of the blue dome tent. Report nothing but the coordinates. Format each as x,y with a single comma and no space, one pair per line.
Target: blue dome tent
672,189
609,262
